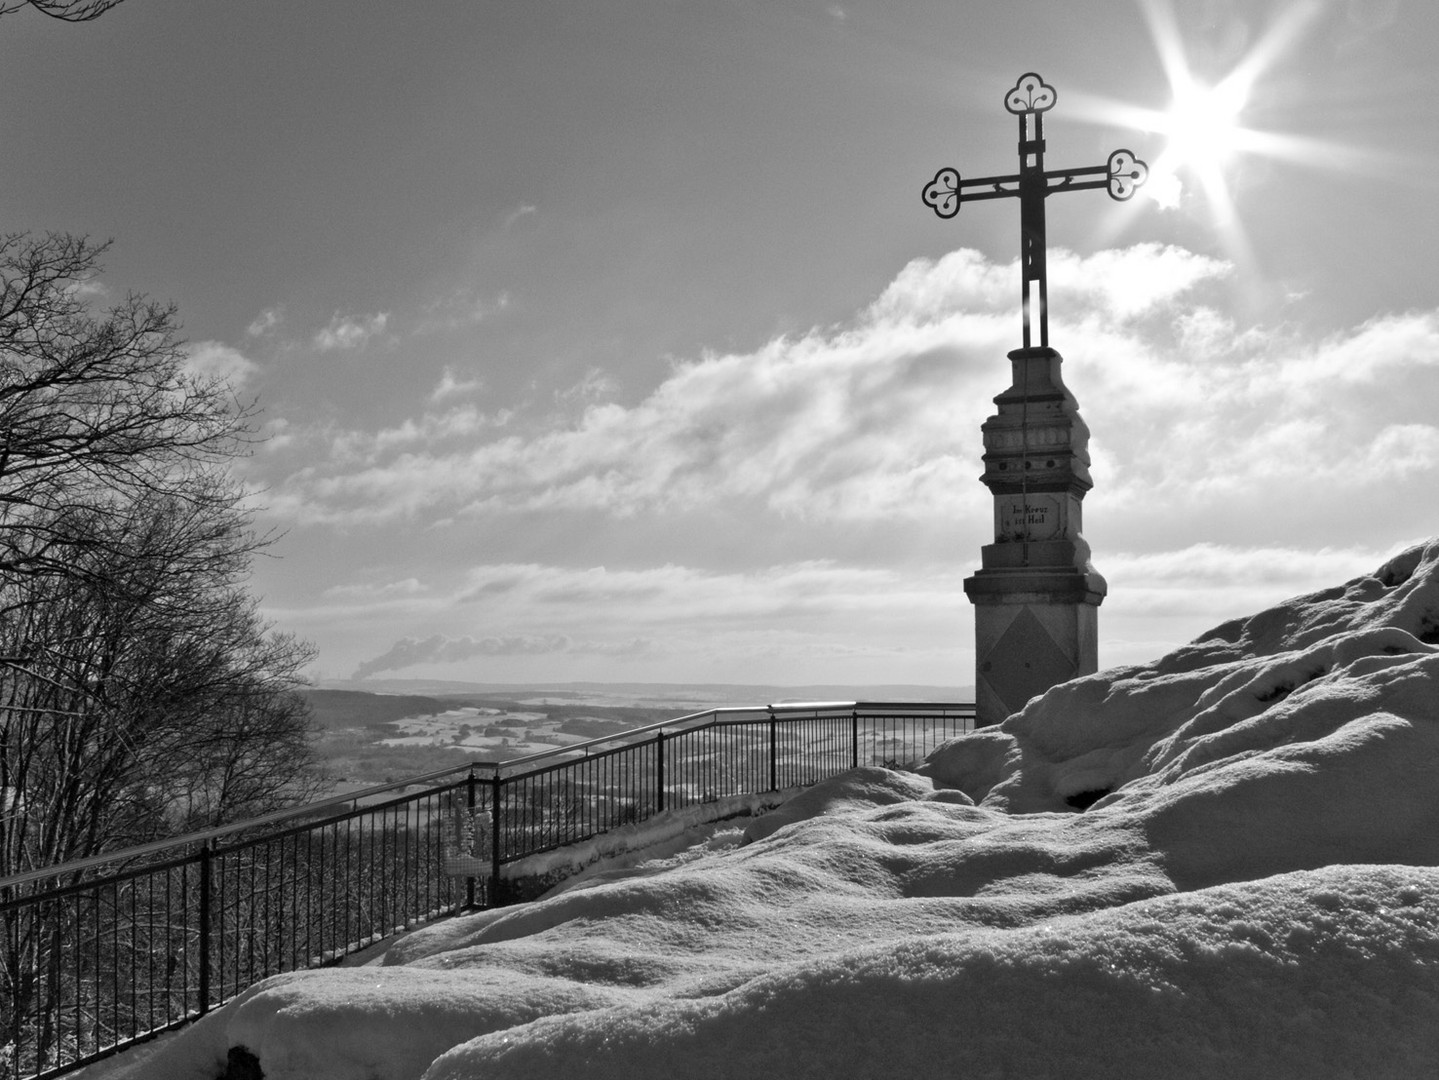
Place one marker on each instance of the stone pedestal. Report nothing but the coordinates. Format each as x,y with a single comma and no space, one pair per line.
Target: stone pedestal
1036,597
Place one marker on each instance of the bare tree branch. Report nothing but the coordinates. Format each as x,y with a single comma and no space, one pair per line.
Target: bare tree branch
64,10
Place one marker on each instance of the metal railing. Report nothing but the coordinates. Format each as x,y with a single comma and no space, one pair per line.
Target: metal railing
103,952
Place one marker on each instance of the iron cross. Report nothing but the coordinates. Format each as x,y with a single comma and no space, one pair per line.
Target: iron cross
1030,99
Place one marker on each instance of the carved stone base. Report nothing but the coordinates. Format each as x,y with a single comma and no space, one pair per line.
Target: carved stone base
1026,642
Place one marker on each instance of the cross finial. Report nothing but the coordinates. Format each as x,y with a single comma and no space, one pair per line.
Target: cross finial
1031,95
1121,176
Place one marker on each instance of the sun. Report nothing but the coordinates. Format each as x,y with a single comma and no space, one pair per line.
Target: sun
1203,125
1204,133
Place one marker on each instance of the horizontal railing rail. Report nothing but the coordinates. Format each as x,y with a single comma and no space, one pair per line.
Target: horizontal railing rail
102,952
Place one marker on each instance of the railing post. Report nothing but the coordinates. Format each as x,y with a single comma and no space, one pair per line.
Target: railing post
205,887
470,806
495,846
660,771
854,737
773,752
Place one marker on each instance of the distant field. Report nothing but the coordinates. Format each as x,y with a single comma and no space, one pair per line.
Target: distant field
379,738
412,727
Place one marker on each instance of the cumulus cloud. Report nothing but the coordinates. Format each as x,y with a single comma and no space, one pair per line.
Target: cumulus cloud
1199,412
855,423
350,332
1192,413
215,360
1133,281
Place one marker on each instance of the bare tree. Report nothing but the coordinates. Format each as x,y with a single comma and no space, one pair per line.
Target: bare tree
93,410
141,696
140,692
65,10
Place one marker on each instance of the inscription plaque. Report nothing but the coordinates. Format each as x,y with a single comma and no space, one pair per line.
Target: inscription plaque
1036,518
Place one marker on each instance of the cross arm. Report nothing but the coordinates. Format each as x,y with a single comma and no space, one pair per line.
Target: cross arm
1121,175
946,191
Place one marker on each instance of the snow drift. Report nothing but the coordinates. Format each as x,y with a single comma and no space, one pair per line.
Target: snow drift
1251,890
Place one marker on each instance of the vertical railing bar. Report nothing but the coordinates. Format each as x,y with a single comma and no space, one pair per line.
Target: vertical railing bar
134,967
205,872
396,892
264,935
185,937
349,890
494,830
301,946
427,880
292,887
389,870
381,871
371,872
99,972
773,753
492,892
320,851
150,953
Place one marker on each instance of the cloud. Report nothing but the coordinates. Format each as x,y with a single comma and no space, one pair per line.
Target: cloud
863,422
1198,421
523,211
459,308
264,322
451,385
350,332
1220,447
699,620
854,423
405,588
1133,281
1210,578
595,386
410,652
1204,420
88,288
1164,188
215,360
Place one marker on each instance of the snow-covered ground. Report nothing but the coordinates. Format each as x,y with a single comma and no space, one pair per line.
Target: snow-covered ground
1251,893
496,733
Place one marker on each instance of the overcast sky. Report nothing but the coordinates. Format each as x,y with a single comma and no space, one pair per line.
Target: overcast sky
610,339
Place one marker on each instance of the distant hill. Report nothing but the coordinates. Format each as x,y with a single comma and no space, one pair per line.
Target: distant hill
357,708
699,695
588,710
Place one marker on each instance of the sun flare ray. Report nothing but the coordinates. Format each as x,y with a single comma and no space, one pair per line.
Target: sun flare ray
1204,129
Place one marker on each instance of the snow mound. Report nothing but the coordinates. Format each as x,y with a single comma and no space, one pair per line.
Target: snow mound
857,790
1250,888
